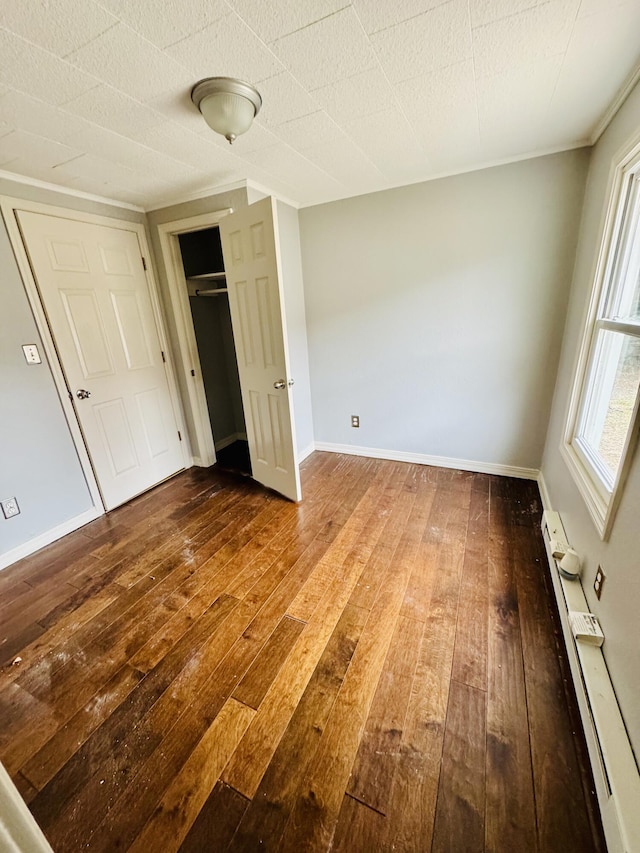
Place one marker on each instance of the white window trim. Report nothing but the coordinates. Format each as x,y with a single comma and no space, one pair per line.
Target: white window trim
601,504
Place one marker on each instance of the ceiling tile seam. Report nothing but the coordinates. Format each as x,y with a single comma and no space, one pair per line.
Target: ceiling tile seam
59,59
390,85
310,24
13,91
375,67
119,164
39,136
315,166
310,147
410,18
162,54
233,12
164,48
339,127
363,154
564,56
163,120
320,109
65,190
70,160
345,130
475,75
110,163
511,15
87,43
58,56
435,71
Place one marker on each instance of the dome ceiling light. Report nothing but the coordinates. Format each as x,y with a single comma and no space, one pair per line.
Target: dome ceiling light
227,105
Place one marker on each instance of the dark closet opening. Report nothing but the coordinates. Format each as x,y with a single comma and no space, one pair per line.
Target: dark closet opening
209,302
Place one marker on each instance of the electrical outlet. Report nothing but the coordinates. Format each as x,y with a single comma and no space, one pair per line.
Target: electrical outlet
599,582
10,507
355,421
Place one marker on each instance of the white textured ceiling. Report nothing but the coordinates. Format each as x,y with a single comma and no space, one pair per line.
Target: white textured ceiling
358,96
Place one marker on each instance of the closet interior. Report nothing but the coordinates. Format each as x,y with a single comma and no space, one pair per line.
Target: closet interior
203,265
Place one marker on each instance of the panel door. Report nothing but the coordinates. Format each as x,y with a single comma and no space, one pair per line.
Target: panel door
251,262
95,294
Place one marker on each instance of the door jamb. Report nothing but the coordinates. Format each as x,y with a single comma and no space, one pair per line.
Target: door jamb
189,358
9,206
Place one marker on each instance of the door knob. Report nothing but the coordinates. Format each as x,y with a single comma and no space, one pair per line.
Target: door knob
279,383
81,394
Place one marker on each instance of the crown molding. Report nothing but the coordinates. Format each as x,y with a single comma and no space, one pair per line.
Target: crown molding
479,167
262,188
621,96
57,188
182,198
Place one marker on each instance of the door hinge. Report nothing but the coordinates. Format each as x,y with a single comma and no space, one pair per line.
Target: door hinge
162,354
144,264
179,436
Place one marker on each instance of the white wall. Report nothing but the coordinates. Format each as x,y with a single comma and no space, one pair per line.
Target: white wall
435,311
618,610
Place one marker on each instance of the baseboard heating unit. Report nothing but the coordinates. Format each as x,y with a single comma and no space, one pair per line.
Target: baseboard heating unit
615,771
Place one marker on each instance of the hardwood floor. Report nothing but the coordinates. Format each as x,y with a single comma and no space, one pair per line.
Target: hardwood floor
213,668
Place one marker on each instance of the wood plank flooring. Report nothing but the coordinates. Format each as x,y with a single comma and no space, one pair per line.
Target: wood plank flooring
212,668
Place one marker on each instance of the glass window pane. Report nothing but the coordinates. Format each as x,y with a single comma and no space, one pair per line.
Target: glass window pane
610,405
626,278
630,298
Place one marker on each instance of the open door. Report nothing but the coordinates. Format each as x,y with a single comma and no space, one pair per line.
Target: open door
252,266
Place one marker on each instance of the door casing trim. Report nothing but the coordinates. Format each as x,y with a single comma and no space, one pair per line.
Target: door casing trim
189,358
9,205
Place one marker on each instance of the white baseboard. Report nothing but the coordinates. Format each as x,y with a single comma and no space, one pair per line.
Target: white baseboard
229,439
437,461
49,536
302,454
544,492
225,442
615,773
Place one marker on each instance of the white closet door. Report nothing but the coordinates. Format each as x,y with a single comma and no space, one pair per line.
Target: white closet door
251,262
95,293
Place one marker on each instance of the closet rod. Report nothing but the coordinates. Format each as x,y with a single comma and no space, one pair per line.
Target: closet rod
212,292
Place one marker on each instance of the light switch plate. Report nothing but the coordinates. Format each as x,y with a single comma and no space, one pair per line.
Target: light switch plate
31,354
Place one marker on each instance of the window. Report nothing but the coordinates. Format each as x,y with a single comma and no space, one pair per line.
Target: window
603,417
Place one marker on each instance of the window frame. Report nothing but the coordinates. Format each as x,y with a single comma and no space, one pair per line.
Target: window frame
601,495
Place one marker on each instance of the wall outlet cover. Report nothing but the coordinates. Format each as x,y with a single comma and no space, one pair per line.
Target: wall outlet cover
10,507
598,582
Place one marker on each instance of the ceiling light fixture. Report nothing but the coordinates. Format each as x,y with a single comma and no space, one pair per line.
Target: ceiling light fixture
227,105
